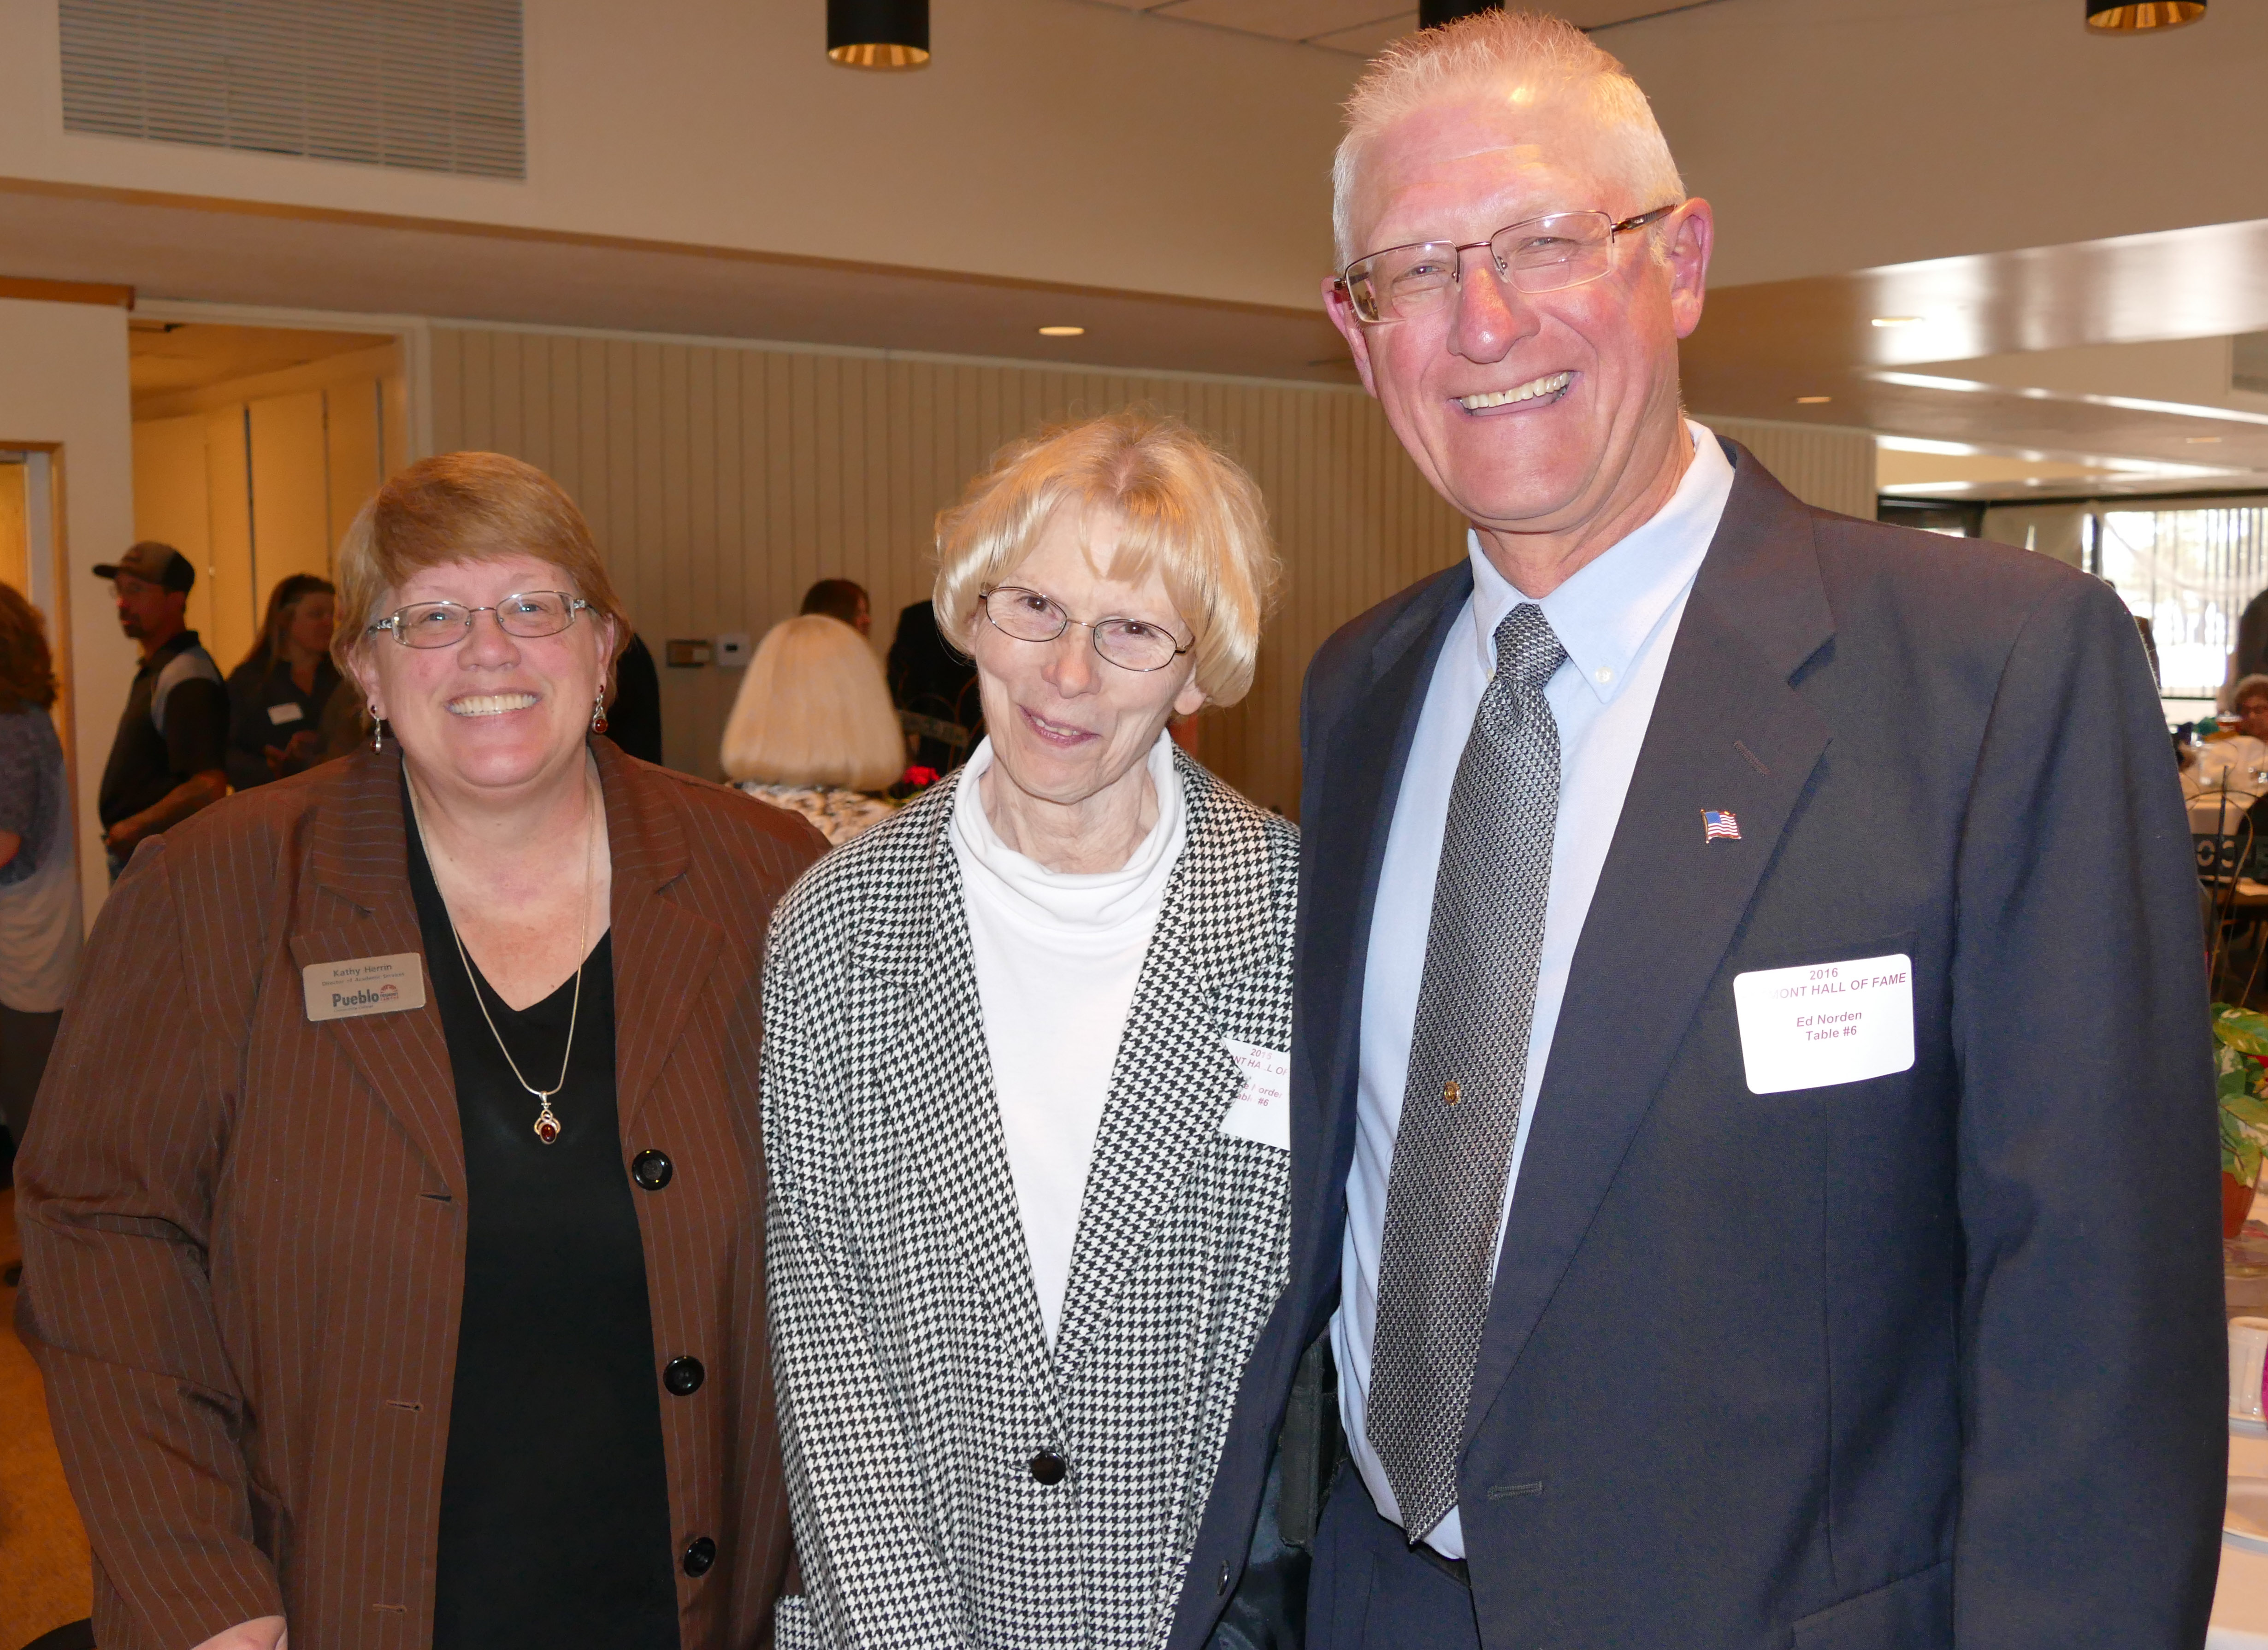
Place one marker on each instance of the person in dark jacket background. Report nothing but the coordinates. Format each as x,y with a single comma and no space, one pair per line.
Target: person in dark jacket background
276,696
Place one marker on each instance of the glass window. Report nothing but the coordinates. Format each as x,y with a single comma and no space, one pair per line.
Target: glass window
2189,573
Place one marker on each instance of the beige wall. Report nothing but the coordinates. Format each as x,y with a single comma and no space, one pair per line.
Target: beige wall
1053,140
1831,468
722,479
64,382
1064,140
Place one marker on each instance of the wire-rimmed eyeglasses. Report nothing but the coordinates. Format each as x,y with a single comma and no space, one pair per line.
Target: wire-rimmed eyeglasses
525,614
1129,644
1537,254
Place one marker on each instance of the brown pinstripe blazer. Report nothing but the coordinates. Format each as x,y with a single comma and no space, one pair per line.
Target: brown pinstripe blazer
244,1233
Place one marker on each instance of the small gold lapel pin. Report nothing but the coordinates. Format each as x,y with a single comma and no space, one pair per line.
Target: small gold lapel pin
1451,1093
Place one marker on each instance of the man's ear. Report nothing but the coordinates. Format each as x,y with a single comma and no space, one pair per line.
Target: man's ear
1692,237
1340,308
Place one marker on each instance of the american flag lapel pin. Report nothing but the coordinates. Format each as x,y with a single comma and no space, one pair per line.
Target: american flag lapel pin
1715,823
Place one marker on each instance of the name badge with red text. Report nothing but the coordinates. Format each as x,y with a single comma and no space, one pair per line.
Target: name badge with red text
1825,1023
1261,1110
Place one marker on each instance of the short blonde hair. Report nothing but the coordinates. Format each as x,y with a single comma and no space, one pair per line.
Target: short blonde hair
1547,56
1186,508
814,710
465,507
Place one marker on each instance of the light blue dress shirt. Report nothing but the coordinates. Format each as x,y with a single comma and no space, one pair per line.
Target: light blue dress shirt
1617,618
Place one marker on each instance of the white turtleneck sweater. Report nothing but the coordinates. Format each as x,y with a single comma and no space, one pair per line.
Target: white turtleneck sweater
1058,957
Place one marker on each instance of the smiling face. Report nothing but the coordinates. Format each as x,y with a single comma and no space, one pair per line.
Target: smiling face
493,713
1530,413
1066,725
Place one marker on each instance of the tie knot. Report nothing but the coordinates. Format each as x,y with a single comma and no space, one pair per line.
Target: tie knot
1527,649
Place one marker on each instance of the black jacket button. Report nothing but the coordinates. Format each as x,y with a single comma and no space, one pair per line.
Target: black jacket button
1049,1467
683,1376
1222,1584
699,1553
651,1169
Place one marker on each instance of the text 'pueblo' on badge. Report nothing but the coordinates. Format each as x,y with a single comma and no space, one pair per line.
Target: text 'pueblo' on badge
365,985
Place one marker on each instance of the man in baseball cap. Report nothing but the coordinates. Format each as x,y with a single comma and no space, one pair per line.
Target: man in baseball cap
166,760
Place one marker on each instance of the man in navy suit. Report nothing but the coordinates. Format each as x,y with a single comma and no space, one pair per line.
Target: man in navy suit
1752,1126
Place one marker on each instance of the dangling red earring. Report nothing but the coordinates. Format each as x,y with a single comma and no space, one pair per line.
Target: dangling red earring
599,712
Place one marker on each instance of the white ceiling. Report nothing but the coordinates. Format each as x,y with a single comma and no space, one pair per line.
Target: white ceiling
1358,27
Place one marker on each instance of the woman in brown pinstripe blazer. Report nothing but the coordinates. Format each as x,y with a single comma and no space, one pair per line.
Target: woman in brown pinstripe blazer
391,1215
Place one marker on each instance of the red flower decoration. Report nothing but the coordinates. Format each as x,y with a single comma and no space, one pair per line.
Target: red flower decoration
920,777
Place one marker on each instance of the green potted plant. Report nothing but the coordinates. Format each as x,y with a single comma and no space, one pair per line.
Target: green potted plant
2241,1057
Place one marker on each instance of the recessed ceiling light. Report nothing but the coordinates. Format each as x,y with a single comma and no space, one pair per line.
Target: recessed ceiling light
1813,401
1063,332
1899,321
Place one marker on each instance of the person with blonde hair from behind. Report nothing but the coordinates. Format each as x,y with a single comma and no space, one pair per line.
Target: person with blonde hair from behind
1020,1109
813,729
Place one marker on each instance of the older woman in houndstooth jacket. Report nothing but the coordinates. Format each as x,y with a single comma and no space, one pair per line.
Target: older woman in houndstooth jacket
1023,1102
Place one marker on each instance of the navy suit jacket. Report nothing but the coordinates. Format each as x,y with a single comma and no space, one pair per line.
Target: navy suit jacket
1931,1360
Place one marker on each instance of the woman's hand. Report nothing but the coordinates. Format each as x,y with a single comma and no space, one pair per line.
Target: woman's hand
266,1633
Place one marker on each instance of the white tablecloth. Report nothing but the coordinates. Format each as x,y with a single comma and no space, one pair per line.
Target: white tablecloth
2240,1603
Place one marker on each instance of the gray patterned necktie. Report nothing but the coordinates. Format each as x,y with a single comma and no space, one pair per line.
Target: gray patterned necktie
1468,1065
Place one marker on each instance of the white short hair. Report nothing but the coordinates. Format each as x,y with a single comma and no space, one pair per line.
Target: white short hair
1486,51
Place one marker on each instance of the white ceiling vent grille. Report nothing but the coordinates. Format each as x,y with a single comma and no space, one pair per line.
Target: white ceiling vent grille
428,85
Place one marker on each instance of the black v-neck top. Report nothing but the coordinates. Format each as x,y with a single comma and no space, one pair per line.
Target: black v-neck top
555,1497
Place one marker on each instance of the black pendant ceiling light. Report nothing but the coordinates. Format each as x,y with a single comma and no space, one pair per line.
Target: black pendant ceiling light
2122,17
1433,13
878,34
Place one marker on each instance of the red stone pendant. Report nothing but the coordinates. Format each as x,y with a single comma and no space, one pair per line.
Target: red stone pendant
547,1126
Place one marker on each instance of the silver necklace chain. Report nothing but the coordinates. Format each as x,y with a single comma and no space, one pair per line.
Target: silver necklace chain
547,1125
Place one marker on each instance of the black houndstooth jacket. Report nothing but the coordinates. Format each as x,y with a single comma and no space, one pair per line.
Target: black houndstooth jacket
915,1384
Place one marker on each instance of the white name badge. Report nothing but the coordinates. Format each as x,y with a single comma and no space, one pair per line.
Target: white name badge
1825,1023
366,985
1262,1111
279,714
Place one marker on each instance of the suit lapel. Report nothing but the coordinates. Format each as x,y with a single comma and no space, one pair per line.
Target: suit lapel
1358,769
358,851
663,952
1173,1078
1727,732
941,1070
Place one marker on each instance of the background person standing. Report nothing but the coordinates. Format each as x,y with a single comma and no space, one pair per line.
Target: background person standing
39,882
169,758
276,696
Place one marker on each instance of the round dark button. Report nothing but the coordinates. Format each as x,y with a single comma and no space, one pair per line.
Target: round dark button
1222,1586
651,1169
1049,1467
699,1553
683,1376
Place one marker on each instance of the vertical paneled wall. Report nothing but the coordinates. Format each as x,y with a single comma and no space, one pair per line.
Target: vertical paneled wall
721,480
1831,468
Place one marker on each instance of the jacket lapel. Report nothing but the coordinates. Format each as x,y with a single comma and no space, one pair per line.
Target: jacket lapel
942,1076
1356,777
1173,1078
663,952
357,851
1728,732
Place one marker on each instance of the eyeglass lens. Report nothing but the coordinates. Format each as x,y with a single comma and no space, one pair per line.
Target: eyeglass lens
1544,254
528,614
1131,643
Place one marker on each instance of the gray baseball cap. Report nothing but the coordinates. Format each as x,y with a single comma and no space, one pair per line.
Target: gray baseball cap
153,564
